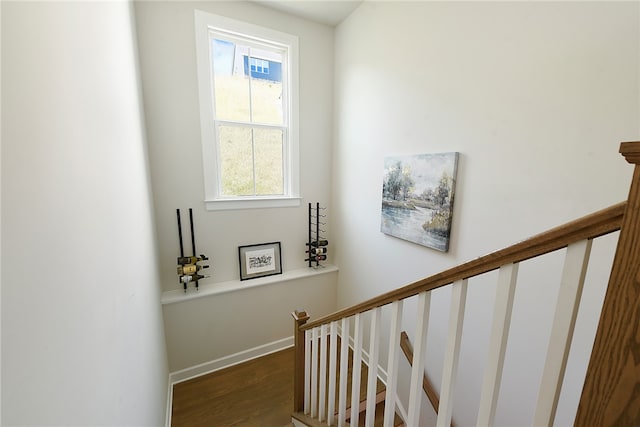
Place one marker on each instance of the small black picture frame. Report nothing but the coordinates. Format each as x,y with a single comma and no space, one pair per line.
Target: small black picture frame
259,260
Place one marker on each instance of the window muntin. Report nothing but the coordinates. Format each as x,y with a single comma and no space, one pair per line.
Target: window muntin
249,121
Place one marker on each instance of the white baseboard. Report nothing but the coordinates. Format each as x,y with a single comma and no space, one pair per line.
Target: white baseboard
222,363
228,361
169,404
297,423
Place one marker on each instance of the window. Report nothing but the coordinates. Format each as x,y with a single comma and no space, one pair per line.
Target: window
259,66
247,77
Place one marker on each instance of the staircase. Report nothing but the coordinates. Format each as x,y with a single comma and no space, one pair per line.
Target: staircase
360,399
610,392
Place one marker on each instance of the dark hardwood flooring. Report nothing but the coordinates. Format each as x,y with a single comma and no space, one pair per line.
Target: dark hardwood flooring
255,393
258,393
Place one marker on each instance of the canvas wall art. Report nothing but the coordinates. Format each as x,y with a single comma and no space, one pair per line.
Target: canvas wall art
417,198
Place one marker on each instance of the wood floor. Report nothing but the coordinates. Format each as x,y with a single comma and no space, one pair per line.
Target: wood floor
255,393
258,393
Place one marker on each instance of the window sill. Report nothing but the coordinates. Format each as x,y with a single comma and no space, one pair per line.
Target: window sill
178,295
251,203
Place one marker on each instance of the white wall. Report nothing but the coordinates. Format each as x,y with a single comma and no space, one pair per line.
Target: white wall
536,97
217,326
168,66
82,333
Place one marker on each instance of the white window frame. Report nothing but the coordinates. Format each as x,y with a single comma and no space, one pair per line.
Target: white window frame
214,200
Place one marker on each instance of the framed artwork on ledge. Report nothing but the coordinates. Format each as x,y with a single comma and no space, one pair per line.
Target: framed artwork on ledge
259,260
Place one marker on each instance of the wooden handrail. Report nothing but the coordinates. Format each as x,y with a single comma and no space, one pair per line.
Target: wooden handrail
610,393
588,227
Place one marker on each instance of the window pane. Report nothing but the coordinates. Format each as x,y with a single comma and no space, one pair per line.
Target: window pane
236,161
266,87
231,85
269,161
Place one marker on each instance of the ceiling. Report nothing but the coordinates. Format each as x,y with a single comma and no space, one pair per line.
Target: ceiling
328,12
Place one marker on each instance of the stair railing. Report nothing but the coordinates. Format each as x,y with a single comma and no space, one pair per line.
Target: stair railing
608,395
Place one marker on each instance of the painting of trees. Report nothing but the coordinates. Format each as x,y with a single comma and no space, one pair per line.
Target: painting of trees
398,184
417,198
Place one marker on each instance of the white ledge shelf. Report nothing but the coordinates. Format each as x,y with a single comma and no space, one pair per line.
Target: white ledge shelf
178,295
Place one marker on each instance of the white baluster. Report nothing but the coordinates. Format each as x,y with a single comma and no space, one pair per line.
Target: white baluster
372,379
417,372
314,372
322,402
392,364
333,356
307,370
497,344
344,366
571,284
357,367
452,352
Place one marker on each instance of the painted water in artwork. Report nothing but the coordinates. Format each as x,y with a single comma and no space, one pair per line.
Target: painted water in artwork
417,198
